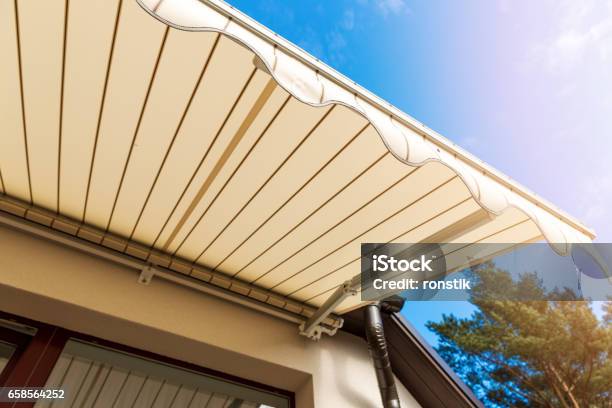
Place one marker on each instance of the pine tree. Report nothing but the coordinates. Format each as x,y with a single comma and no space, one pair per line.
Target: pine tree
552,353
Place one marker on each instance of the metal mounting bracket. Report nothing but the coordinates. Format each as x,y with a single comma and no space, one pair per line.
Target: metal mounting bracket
313,328
146,275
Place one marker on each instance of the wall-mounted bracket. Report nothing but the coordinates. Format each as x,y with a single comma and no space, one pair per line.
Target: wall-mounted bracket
313,328
146,275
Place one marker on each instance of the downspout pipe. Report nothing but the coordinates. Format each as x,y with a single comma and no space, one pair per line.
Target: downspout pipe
377,345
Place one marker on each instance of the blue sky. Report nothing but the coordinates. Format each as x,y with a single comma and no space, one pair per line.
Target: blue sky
525,86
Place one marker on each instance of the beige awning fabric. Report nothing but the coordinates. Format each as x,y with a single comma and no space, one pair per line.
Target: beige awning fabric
204,140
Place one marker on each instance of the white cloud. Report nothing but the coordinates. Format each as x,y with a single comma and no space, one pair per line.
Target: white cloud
336,41
387,7
331,45
336,44
582,34
575,59
348,19
391,6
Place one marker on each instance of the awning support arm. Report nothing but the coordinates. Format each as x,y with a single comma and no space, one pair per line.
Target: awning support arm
313,328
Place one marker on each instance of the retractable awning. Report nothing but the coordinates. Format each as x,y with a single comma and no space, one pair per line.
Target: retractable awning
184,134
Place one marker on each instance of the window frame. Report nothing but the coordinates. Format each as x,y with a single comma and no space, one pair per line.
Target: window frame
38,355
20,342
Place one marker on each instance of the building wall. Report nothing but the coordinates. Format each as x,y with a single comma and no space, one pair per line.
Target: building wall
45,281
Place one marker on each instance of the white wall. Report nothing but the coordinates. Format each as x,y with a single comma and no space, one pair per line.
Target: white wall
48,282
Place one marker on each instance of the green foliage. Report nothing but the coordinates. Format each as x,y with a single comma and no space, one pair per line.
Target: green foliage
552,353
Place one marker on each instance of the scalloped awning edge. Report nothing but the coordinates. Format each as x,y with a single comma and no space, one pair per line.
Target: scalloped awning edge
315,84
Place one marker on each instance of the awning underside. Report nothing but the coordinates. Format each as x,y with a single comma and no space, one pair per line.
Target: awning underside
176,141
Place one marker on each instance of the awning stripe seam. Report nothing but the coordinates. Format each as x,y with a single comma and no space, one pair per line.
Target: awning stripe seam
202,161
179,126
102,104
371,200
229,149
306,183
391,240
60,129
238,167
354,179
265,183
137,128
381,222
22,100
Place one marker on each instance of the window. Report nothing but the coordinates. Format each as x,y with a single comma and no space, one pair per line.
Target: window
95,373
95,376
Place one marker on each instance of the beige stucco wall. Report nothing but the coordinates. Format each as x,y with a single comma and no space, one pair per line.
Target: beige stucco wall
48,282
